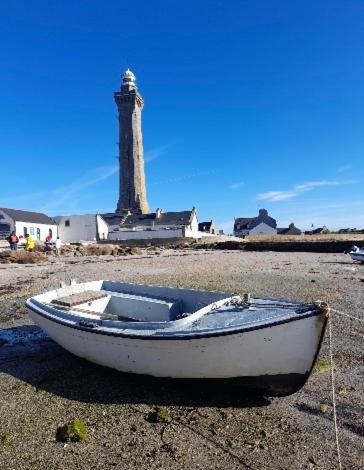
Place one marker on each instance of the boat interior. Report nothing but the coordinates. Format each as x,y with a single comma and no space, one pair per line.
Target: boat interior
129,302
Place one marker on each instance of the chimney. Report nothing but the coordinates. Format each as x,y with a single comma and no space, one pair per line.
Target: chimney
263,212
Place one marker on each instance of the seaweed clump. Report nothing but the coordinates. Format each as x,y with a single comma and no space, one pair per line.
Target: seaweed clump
73,431
160,415
322,365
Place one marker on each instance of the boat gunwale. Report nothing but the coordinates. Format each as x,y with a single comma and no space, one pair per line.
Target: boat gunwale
96,329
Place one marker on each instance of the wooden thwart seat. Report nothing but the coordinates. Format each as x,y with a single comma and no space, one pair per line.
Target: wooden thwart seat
80,298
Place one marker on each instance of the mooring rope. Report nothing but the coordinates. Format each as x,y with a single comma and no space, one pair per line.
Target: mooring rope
361,320
347,315
333,393
244,302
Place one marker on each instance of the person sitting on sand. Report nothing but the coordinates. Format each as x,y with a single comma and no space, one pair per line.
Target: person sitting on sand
30,242
13,241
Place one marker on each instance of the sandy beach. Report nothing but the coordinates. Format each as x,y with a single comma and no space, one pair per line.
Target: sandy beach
42,386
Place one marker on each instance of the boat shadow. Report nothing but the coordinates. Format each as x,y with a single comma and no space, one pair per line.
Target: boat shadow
40,362
340,262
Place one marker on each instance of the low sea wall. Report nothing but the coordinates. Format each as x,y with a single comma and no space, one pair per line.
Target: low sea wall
168,242
173,241
301,244
325,246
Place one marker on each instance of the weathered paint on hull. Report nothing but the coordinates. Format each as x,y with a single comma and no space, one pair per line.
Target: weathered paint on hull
276,360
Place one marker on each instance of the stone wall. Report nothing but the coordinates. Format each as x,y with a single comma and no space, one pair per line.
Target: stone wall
325,246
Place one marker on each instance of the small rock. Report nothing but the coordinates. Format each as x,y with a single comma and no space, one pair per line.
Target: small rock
312,462
253,442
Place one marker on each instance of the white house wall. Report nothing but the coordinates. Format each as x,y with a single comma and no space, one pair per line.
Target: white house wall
263,229
32,229
102,228
192,230
144,234
81,227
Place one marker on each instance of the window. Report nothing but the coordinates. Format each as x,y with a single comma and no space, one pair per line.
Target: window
50,233
38,233
31,230
67,223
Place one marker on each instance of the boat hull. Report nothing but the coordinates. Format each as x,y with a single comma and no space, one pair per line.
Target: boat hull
276,359
357,256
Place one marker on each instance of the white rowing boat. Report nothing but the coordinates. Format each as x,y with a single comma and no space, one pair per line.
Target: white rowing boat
357,254
265,344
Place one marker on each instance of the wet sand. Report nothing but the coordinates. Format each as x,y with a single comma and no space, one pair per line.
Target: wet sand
42,386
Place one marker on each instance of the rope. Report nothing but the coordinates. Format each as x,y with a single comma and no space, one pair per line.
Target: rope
347,315
333,394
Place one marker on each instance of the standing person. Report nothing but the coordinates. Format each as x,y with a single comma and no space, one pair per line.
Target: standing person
30,242
13,241
48,242
58,246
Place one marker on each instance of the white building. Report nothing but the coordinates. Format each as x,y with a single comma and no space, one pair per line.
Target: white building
157,224
36,224
86,227
263,224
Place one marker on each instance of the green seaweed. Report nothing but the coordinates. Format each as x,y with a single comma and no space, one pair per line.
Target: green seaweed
73,431
5,438
160,415
323,364
324,407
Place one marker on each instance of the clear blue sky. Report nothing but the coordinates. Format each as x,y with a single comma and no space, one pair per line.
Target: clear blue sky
247,105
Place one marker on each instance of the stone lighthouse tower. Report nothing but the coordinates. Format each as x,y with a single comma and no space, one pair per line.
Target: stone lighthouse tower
132,190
